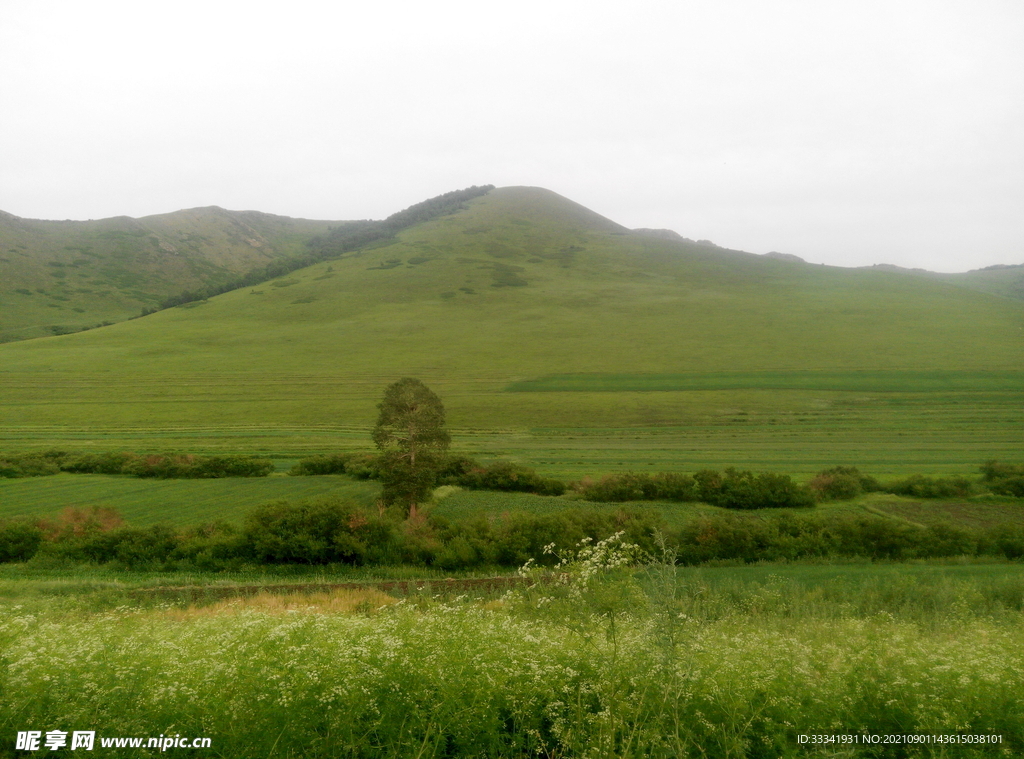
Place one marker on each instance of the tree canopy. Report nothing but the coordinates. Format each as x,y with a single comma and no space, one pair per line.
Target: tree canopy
412,440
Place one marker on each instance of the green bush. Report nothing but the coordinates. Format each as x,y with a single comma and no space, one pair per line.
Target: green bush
39,464
801,537
316,531
992,471
632,486
919,486
212,547
128,547
19,541
1011,486
1006,540
364,466
1004,479
189,466
97,463
746,490
323,464
510,477
841,483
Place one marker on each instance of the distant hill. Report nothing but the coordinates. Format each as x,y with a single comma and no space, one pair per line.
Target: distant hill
524,281
784,257
61,276
1005,280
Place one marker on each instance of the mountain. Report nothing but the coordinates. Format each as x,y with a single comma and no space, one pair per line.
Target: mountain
62,276
521,284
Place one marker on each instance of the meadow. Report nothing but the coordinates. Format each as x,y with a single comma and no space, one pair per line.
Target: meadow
560,340
179,502
611,662
716,357
568,434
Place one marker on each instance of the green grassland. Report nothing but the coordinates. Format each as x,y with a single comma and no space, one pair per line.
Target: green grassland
178,502
1007,280
523,285
75,274
187,503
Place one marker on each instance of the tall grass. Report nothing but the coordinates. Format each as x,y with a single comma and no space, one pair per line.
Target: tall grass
621,663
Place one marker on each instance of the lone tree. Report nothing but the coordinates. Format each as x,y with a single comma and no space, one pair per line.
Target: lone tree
412,441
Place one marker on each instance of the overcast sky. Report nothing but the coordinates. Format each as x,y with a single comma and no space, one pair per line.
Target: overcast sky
849,133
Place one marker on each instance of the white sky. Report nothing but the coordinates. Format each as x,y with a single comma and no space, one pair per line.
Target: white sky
848,133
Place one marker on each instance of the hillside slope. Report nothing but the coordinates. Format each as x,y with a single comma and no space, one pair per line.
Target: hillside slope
61,276
523,284
1006,281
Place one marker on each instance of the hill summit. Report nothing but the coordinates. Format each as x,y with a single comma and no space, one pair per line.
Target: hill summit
536,319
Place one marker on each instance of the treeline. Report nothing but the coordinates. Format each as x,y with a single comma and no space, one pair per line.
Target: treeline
160,465
353,236
747,490
457,470
329,531
731,489
339,240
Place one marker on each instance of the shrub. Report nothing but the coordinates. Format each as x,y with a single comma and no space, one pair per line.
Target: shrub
316,531
919,486
212,547
746,490
841,483
97,463
993,471
76,522
1011,486
19,541
1008,540
189,466
364,466
508,476
1004,479
30,464
316,465
632,486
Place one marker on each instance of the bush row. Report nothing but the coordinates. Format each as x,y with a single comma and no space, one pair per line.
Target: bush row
164,466
457,470
747,490
335,531
316,532
732,489
1004,479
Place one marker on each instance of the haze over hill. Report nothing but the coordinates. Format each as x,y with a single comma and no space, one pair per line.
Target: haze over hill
518,285
58,277
61,276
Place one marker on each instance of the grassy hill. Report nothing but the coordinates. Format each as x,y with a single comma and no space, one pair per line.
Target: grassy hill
1007,281
1004,280
524,284
61,276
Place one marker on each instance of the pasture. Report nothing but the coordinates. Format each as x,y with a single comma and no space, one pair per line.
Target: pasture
186,503
651,354
722,662
180,502
569,432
